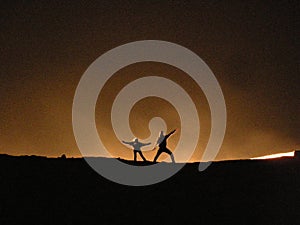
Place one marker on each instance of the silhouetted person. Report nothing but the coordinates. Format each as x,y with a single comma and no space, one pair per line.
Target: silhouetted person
162,143
137,148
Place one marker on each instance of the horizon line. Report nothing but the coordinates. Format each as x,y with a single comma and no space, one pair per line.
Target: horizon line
290,154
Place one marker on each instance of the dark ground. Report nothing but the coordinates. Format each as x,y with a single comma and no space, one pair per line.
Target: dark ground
36,190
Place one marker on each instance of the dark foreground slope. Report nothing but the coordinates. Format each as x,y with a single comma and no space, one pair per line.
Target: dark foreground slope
67,191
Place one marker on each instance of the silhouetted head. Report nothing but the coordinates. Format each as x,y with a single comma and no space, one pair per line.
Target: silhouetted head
136,140
161,137
161,134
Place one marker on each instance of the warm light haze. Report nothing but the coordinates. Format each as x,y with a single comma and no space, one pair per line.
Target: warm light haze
46,48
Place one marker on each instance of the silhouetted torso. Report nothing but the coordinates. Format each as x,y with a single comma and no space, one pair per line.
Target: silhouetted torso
163,144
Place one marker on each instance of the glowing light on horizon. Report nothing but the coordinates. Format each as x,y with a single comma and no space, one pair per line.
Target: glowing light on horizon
278,155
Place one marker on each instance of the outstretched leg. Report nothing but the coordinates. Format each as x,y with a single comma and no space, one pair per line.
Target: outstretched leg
134,158
171,154
172,157
143,157
157,155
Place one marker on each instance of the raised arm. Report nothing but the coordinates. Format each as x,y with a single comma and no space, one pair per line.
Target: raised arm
144,144
169,134
127,142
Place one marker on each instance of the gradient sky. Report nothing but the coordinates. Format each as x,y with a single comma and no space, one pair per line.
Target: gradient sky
251,47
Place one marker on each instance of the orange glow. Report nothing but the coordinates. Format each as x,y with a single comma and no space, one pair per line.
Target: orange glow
278,155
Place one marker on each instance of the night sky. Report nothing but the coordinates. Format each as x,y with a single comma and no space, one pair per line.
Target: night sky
252,48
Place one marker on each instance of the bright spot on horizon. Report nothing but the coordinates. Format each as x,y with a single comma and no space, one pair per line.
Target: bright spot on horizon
278,155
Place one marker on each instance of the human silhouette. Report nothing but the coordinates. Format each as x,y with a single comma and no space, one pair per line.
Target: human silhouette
162,143
137,148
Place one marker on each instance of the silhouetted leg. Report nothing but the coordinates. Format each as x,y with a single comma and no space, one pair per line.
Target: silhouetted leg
134,152
172,158
157,155
143,157
171,154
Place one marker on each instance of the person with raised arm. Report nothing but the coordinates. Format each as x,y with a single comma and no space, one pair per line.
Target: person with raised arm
162,144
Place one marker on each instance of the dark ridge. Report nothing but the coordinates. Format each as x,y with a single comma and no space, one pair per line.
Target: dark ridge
41,190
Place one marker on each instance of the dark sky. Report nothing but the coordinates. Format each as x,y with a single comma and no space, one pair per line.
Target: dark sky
252,47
